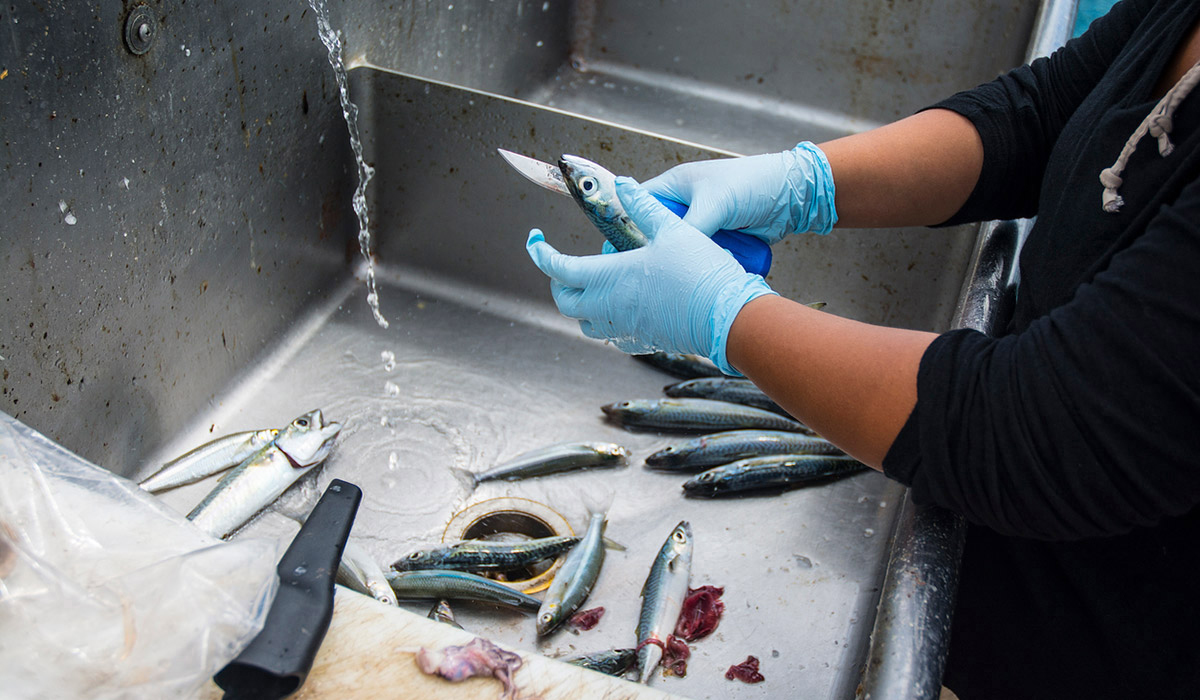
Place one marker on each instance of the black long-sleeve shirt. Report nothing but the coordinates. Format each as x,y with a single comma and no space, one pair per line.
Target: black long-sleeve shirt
1072,443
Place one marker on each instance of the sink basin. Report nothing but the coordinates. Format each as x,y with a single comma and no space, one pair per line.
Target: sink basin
180,261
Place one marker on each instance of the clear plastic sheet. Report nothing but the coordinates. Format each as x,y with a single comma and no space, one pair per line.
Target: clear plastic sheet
105,592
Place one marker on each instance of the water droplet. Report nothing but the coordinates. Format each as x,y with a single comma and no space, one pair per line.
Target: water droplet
300,570
391,389
869,532
540,43
336,488
393,461
803,561
389,360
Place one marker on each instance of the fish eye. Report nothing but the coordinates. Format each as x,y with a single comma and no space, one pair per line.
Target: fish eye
669,449
707,477
588,185
415,556
302,422
679,536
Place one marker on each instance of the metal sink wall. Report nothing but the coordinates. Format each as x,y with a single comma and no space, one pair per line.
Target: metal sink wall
179,259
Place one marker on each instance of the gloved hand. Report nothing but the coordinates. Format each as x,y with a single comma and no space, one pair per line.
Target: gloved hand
680,293
768,196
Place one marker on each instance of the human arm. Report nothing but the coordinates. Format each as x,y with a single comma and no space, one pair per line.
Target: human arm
854,383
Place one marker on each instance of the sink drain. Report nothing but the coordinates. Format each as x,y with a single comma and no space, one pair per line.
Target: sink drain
510,519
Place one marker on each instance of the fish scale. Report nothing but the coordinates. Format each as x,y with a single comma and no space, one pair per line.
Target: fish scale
692,415
480,555
662,597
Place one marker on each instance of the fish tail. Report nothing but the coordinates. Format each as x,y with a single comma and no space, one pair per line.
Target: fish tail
466,477
598,503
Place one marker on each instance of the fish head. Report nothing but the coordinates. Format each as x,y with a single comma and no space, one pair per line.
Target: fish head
420,559
593,186
705,483
548,618
612,450
679,544
595,190
308,439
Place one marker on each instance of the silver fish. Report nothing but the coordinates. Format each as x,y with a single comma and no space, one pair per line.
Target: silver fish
456,585
359,571
614,662
208,459
441,612
703,415
259,480
481,555
553,459
729,389
722,448
662,598
595,189
680,365
575,578
769,472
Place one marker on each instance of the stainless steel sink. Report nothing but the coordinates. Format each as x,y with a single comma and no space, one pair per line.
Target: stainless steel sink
179,260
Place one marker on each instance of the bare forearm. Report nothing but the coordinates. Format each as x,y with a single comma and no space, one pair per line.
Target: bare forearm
915,172
852,382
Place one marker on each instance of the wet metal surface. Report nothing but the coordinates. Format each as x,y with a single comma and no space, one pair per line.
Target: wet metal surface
479,378
177,262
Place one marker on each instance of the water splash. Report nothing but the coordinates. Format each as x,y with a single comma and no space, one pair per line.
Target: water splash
333,43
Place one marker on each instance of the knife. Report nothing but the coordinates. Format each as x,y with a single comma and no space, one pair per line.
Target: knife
752,253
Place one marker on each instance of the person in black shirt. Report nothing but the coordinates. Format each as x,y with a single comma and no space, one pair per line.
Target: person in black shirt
1071,443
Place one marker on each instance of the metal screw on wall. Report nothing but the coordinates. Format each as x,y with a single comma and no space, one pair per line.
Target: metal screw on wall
139,30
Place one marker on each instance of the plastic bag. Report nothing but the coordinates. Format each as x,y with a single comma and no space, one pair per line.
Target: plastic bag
107,593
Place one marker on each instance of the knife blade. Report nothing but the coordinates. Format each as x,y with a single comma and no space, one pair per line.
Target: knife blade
752,253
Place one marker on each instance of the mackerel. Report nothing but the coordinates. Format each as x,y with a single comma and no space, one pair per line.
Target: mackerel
575,578
595,189
441,612
681,365
769,472
711,450
697,415
614,662
729,389
481,555
359,572
437,584
555,458
662,598
259,480
208,459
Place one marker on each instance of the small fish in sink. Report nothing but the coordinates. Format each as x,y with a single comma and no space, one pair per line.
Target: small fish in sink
259,480
552,459
663,594
482,555
208,459
696,415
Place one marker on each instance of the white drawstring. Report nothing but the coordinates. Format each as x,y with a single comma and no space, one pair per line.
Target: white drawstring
1158,124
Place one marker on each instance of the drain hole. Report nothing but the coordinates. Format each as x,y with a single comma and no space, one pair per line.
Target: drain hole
511,526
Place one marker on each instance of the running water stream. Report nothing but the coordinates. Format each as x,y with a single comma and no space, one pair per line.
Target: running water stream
333,42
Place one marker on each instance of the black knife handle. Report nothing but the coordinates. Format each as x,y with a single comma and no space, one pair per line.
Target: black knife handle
277,661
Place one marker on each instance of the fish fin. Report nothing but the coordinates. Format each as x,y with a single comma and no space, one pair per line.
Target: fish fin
597,503
466,477
613,545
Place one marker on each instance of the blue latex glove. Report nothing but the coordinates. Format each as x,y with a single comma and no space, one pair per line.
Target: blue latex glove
680,293
767,196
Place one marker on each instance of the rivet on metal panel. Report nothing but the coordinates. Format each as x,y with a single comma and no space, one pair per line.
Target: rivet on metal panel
139,30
